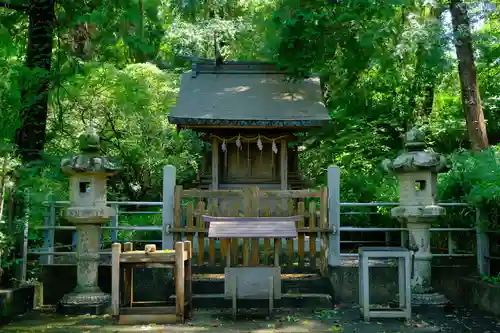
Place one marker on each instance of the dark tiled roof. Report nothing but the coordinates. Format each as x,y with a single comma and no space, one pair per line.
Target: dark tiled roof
247,94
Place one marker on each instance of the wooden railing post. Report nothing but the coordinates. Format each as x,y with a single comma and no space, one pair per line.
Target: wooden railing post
333,253
115,278
323,223
255,212
167,239
180,279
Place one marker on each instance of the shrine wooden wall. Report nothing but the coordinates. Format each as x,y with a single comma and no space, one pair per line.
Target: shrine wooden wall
190,205
251,166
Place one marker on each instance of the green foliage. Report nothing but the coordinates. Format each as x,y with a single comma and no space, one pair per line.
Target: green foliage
9,86
118,32
239,27
197,39
129,107
491,279
474,179
488,45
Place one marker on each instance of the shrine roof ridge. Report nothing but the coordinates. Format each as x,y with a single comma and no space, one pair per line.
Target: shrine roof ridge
248,94
240,67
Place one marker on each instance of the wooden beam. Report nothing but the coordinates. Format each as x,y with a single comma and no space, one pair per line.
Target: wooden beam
255,230
284,165
215,164
294,128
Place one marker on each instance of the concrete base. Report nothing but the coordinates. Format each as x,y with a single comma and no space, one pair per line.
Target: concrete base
15,301
342,282
94,303
474,293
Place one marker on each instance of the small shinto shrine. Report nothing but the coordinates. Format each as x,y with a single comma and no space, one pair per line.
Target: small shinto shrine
250,112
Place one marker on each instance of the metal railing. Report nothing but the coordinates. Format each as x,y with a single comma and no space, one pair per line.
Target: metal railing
48,251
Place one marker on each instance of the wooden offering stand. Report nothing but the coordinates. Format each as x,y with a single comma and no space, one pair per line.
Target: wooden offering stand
126,261
253,282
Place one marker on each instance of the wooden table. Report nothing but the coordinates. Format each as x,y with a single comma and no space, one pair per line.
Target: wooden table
250,282
127,261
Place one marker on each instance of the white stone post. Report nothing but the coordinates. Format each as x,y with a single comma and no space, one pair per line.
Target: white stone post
87,251
333,253
169,178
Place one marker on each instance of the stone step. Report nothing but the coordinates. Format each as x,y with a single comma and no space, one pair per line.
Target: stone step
311,285
218,301
307,285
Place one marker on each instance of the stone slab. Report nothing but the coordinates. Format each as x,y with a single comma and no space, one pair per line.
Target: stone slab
92,309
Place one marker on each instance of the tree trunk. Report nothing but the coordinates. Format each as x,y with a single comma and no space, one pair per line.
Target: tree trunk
471,98
3,184
30,137
140,54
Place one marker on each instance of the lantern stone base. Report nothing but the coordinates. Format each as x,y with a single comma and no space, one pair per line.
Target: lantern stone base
429,299
77,303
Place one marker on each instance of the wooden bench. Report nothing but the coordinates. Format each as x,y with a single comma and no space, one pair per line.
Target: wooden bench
247,282
128,260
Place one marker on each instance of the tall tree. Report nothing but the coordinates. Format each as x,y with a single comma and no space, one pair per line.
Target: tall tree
471,98
30,137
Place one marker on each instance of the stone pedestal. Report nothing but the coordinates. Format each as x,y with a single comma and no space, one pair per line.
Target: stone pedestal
87,297
420,239
421,283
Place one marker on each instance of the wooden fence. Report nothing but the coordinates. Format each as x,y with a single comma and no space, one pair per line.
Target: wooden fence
190,205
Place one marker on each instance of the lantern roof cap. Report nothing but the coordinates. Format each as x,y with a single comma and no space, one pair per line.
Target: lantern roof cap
89,161
414,138
416,158
89,141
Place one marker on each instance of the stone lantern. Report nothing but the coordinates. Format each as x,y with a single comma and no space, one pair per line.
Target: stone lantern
417,171
88,211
